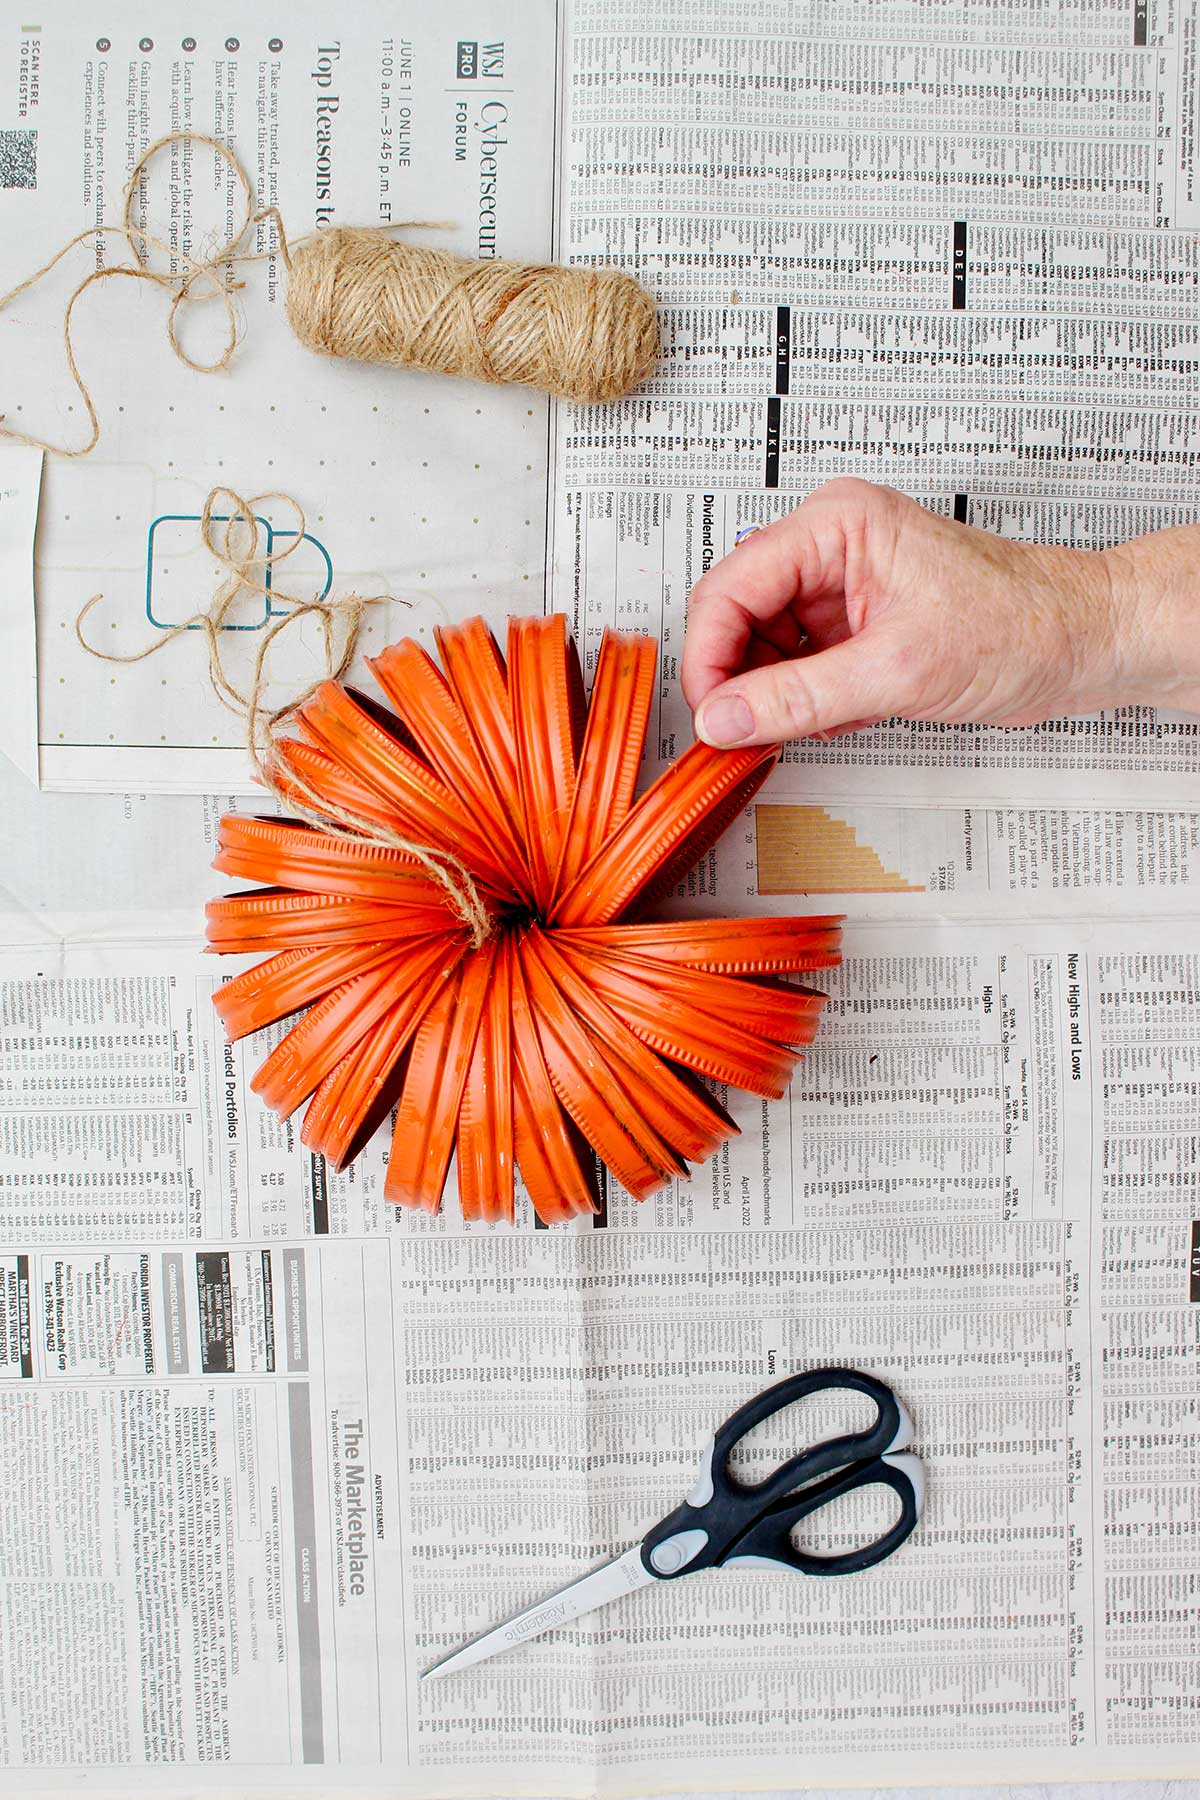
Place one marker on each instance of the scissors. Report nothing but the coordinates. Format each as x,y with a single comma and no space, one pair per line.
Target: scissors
728,1523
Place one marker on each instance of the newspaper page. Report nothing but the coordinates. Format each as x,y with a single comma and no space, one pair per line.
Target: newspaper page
323,1443
387,483
948,248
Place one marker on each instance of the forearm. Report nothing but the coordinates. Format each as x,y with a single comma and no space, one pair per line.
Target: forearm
1155,588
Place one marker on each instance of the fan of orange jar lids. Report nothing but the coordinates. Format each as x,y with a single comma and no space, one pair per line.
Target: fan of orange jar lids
571,1032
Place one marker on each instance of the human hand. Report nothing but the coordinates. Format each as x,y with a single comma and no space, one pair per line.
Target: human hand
861,605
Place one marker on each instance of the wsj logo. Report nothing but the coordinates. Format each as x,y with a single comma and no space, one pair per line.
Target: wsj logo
475,59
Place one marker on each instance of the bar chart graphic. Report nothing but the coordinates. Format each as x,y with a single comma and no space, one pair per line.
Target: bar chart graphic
806,850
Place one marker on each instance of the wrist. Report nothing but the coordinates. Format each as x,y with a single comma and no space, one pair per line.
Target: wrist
1153,588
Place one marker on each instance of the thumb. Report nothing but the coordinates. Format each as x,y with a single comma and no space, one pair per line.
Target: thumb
800,697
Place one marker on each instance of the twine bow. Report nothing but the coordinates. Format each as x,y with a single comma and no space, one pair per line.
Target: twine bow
232,534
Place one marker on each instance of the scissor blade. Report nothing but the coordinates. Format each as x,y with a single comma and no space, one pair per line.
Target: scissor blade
622,1576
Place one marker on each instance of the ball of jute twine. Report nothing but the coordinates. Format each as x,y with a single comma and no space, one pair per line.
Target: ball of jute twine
353,291
583,334
233,536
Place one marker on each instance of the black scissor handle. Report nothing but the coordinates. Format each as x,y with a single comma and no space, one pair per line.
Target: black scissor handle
891,1431
769,1539
720,1508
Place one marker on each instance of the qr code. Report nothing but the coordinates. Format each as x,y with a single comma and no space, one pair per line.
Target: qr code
18,159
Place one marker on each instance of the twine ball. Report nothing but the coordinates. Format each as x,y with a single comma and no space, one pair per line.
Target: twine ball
583,334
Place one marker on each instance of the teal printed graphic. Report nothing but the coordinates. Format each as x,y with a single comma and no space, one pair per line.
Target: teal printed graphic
274,539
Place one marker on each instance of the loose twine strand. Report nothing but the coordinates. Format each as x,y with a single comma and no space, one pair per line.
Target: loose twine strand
237,548
200,279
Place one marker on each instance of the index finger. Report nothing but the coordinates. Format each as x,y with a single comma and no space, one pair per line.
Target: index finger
743,593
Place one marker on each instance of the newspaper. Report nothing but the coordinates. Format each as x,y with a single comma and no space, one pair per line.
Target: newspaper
272,1448
314,1461
948,249
427,492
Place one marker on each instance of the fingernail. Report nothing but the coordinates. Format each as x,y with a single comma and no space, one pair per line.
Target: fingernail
725,721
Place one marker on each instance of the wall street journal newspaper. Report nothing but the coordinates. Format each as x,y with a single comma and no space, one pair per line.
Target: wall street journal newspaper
271,1449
